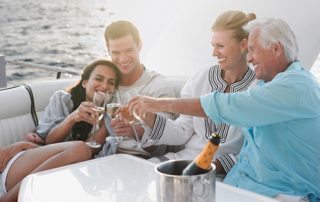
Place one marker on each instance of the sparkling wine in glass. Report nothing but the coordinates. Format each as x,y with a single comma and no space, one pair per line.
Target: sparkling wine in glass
98,101
113,103
135,119
112,109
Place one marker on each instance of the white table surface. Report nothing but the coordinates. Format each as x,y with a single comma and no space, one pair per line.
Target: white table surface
116,178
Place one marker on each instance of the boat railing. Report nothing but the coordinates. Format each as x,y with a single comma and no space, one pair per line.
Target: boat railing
58,70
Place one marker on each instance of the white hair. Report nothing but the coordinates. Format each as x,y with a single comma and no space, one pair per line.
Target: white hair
275,30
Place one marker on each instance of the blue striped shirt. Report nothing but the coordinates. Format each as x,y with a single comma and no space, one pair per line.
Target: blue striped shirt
281,124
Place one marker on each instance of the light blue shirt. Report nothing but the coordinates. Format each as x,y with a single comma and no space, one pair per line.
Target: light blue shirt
281,124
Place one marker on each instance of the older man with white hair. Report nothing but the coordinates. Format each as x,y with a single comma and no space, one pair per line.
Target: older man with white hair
280,117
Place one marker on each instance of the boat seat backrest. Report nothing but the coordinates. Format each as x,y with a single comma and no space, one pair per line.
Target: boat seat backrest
15,113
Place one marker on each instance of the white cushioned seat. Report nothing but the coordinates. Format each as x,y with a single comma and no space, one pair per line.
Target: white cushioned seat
15,113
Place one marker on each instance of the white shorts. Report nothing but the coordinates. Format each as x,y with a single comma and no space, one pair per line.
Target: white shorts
4,174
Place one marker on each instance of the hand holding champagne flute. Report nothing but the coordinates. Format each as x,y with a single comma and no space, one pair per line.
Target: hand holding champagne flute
130,119
113,102
98,101
120,115
114,120
135,119
124,111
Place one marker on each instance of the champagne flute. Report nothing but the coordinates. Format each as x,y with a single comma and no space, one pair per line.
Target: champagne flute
98,101
135,120
113,103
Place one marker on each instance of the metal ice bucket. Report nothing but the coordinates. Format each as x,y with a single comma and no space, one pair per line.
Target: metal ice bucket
173,187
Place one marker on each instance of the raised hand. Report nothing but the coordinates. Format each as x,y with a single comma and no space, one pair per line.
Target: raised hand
98,107
121,128
85,113
144,104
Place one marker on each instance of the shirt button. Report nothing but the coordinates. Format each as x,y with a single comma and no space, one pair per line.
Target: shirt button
245,158
243,174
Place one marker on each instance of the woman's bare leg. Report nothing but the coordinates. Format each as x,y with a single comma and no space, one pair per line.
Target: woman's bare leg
43,158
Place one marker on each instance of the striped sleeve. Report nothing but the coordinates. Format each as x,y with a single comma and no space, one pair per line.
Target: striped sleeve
158,128
163,158
227,161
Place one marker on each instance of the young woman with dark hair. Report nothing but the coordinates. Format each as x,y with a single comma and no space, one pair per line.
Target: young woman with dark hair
67,119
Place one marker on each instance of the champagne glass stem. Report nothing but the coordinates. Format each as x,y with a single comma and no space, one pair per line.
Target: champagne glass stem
93,142
94,134
136,135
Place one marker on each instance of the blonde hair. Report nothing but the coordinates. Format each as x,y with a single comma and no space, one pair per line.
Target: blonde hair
234,20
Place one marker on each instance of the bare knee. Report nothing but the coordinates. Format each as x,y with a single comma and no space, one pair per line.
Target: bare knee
79,151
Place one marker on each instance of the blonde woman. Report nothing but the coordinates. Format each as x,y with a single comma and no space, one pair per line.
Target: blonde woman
231,74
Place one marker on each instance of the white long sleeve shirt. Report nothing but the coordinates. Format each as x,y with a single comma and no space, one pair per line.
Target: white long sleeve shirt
193,132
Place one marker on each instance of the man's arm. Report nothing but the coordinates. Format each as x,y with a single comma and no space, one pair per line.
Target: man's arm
189,106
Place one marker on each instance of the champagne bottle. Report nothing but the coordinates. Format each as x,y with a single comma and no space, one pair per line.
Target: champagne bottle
202,163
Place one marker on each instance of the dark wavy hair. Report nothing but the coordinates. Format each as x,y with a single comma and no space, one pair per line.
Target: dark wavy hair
81,130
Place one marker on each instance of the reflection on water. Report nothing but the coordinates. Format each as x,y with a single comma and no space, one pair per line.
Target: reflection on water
59,33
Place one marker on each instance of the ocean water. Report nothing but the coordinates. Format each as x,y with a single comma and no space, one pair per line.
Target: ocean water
58,33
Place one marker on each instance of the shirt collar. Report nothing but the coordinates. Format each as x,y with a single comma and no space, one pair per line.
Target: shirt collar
221,85
296,65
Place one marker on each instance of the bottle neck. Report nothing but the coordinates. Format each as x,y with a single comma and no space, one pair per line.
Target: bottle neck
204,159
